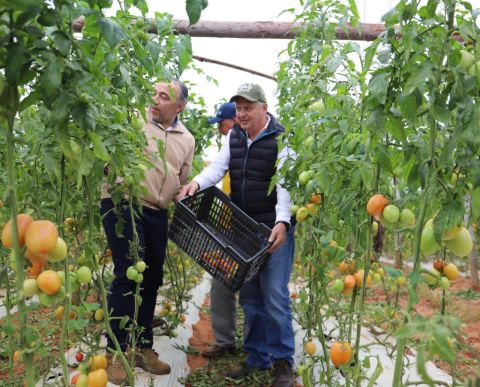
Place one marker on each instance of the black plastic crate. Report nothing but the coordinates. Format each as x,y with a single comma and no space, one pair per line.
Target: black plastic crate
220,237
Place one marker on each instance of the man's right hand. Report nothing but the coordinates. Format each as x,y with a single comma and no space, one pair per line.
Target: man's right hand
188,189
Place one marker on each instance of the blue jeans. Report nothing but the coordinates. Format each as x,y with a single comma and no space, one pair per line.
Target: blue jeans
268,316
152,227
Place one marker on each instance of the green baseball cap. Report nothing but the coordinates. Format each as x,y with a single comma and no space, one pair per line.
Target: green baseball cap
251,92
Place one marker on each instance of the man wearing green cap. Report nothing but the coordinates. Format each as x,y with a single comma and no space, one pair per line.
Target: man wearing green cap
251,157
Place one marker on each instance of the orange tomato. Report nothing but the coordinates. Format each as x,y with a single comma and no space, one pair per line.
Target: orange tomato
49,282
72,315
340,353
97,378
23,221
359,278
346,266
349,281
376,204
35,258
16,355
34,270
315,198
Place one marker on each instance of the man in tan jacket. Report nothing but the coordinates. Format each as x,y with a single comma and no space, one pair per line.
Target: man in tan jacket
171,167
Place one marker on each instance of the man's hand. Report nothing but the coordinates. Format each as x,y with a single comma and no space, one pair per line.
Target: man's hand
277,237
188,189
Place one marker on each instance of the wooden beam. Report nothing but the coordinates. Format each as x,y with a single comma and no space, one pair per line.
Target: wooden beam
256,30
268,30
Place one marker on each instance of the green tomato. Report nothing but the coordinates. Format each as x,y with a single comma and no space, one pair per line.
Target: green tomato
466,59
82,380
46,300
338,285
84,275
13,261
294,209
30,287
428,243
318,106
444,283
304,177
136,123
309,141
407,217
475,69
132,273
59,252
391,214
140,266
462,244
139,278
377,278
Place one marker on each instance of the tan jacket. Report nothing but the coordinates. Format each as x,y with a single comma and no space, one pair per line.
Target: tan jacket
179,147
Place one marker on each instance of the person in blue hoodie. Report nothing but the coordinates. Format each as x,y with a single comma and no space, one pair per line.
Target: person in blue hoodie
251,156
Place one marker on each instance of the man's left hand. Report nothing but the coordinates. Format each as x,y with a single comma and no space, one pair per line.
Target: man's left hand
277,237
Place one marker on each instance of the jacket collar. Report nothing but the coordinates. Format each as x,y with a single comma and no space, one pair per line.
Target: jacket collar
177,126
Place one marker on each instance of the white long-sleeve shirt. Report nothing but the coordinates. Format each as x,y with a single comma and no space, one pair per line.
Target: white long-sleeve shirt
212,174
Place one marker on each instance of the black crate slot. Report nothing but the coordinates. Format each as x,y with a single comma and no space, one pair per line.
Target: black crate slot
220,237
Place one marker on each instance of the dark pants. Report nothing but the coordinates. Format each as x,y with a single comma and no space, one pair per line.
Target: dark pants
152,227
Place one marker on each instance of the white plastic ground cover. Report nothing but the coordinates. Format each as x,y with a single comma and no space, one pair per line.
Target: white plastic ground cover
377,352
163,345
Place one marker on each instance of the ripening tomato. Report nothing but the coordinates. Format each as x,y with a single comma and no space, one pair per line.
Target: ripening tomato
23,221
310,348
41,236
49,282
97,378
98,362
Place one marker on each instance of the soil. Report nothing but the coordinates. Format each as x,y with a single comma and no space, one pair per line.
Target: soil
462,302
202,337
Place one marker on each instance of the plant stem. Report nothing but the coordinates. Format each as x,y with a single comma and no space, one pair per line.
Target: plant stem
103,292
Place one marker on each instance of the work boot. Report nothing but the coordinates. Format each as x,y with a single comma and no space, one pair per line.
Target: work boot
147,359
115,370
284,376
243,370
216,350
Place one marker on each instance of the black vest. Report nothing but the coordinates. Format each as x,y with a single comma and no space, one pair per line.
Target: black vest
251,170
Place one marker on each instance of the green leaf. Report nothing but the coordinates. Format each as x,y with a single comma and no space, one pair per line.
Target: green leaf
381,157
52,77
376,374
449,216
421,74
125,75
183,46
378,86
194,9
154,50
99,148
407,330
422,369
111,31
62,42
